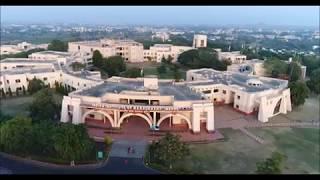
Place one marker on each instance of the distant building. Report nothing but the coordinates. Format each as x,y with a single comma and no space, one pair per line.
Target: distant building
129,50
158,51
21,47
199,41
235,57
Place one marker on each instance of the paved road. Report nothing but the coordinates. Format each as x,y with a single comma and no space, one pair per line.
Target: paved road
119,162
115,165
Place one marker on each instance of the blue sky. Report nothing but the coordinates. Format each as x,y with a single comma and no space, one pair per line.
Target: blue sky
209,15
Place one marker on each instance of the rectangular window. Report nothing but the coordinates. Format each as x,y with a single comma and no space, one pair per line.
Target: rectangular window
19,89
237,106
45,78
5,67
0,82
216,90
224,92
215,99
84,85
27,79
238,97
17,80
8,81
207,92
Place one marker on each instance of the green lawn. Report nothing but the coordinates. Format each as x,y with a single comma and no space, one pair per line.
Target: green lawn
19,105
15,105
239,153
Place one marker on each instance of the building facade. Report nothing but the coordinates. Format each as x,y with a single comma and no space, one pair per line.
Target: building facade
199,41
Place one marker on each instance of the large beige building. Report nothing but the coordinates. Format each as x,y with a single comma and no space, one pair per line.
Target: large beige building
158,51
20,47
153,101
263,96
129,50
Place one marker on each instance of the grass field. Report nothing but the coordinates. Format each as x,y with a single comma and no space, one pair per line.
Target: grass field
239,153
19,105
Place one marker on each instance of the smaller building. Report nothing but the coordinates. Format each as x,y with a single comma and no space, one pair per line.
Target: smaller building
199,41
235,57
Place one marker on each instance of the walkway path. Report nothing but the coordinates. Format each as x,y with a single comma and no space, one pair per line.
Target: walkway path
256,138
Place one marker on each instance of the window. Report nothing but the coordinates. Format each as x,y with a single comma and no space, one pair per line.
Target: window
17,80
27,79
207,92
238,97
216,90
78,84
78,47
84,85
19,89
224,92
0,82
91,115
5,67
127,59
215,99
8,81
45,78
237,106
91,49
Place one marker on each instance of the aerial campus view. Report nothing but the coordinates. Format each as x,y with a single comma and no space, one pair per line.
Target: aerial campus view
106,90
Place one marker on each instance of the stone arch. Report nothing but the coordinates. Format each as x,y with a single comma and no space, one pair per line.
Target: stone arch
143,116
100,112
171,115
148,115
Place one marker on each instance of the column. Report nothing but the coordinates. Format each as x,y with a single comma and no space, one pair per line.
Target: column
196,119
64,111
154,118
210,119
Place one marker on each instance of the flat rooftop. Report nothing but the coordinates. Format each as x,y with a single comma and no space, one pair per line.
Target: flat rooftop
26,60
53,53
239,80
180,92
27,70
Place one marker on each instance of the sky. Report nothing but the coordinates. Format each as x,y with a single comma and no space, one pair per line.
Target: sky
164,15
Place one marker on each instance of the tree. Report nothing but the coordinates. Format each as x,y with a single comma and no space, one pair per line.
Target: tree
57,45
162,69
271,165
201,58
43,106
294,71
24,90
10,92
314,82
76,66
97,58
15,135
299,92
42,135
72,142
3,94
114,65
35,85
133,73
177,75
17,92
107,141
275,67
168,150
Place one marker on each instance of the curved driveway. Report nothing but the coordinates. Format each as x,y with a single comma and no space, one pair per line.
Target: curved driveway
115,165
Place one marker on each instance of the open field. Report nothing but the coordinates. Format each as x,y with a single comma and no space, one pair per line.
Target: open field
239,153
19,105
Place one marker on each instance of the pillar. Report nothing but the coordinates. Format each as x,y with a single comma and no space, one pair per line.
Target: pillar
77,112
196,118
154,118
64,110
210,119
